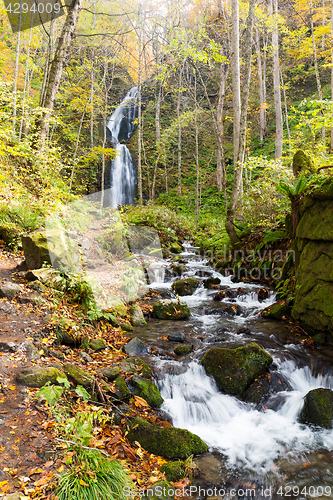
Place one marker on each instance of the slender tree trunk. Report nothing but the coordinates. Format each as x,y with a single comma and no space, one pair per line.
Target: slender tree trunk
92,102
17,60
220,170
139,166
276,80
57,65
262,104
286,112
332,71
264,78
76,147
26,84
158,113
166,183
196,154
179,144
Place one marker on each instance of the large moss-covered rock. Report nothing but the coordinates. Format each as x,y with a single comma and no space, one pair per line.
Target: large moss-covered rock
235,369
277,311
78,376
39,376
174,471
171,309
135,365
49,277
185,286
302,163
176,247
123,391
116,306
183,349
147,390
137,317
169,442
318,408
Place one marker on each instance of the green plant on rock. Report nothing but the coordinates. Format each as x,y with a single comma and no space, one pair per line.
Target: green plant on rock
295,192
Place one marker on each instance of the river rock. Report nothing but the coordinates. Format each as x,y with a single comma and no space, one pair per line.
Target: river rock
96,345
49,277
171,309
111,373
116,306
318,408
175,247
266,385
183,349
123,391
263,294
135,365
9,290
219,296
126,327
178,269
135,347
78,376
39,376
180,259
211,282
277,311
177,337
235,369
168,442
174,471
136,314
161,490
185,286
147,390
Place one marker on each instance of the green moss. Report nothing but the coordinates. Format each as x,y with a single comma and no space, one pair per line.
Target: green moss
277,311
185,286
39,376
126,327
318,408
171,309
116,306
135,365
168,442
235,369
319,339
302,163
175,248
78,376
210,282
111,373
123,391
174,471
178,269
97,344
180,259
137,317
183,349
147,390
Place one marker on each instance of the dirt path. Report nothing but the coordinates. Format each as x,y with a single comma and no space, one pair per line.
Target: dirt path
24,444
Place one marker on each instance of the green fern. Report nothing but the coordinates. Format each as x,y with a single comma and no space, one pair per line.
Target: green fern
295,190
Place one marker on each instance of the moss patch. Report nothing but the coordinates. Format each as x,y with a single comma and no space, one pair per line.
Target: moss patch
39,376
185,286
183,349
135,365
147,390
78,376
174,471
277,311
123,391
171,309
318,408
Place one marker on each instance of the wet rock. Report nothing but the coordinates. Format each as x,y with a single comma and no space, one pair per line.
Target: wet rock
9,290
177,337
219,296
175,248
243,330
31,350
178,269
135,347
183,349
168,442
235,369
135,365
39,376
231,293
126,327
210,469
78,376
263,294
38,286
136,315
161,490
319,339
221,331
202,273
231,309
211,282
180,259
8,347
123,391
185,286
277,311
147,390
56,354
111,373
86,358
318,408
174,471
171,309
96,345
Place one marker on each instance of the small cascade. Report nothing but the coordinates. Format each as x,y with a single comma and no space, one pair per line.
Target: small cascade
123,175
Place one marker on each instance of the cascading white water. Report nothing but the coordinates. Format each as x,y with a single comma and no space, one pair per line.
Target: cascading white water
251,439
123,175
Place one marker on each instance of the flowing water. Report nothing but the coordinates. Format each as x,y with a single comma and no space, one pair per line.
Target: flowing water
264,445
122,174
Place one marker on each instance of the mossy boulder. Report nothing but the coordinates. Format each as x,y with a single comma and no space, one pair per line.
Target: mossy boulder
183,349
234,370
185,286
161,490
135,347
175,247
168,442
96,344
171,309
147,390
39,376
126,327
180,259
178,269
319,339
174,471
135,365
123,391
9,290
212,282
302,163
116,306
49,277
137,317
318,408
111,373
78,376
277,311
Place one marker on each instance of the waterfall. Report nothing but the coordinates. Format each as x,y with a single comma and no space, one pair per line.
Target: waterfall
122,174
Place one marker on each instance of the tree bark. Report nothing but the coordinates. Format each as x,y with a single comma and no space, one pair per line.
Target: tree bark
262,104
179,144
139,166
220,172
276,80
17,59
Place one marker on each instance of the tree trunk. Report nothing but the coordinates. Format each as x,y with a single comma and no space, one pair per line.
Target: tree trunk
286,112
158,113
26,84
276,80
262,104
179,144
92,102
219,121
139,166
196,154
57,65
17,59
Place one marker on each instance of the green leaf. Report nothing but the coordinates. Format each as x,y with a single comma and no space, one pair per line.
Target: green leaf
80,391
64,382
52,393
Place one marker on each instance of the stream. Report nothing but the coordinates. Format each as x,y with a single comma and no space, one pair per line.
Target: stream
262,447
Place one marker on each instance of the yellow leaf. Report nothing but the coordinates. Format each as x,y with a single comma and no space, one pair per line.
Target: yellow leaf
83,483
3,483
12,387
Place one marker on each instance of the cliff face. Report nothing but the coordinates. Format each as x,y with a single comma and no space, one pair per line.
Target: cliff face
314,261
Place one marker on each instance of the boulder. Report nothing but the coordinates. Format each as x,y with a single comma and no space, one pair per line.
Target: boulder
126,327
31,350
123,391
277,311
161,490
9,290
136,315
116,306
175,247
78,376
96,344
263,294
219,296
39,376
111,373
135,347
179,259
174,471
319,339
171,309
168,442
318,408
211,282
234,370
135,365
147,390
49,277
8,347
183,349
266,385
185,286
178,269
177,337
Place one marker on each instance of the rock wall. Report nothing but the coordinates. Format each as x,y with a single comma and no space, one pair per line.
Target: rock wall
314,261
